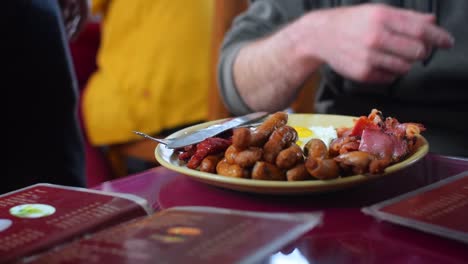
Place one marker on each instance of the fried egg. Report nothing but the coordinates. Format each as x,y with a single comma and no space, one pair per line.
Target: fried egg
326,134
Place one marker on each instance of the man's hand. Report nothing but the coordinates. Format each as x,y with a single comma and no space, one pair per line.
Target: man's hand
366,43
75,14
370,43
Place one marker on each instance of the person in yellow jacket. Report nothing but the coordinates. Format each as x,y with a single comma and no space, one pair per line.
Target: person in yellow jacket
153,69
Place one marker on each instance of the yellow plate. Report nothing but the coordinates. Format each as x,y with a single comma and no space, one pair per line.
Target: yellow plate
167,158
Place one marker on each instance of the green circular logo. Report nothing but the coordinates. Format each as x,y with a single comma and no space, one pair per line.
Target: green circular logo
32,210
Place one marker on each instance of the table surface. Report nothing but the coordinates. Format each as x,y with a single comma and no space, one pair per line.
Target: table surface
346,234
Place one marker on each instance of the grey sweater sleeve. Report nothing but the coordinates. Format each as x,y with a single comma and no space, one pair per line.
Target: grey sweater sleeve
263,17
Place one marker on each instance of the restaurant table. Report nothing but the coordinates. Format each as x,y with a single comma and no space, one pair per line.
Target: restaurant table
346,235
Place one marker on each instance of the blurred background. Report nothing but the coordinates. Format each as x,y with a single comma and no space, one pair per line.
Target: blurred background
150,66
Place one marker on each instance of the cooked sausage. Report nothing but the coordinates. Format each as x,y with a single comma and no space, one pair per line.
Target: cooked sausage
378,165
209,163
355,161
230,154
316,149
289,157
187,152
244,158
280,139
248,157
323,169
267,171
209,146
231,170
298,173
261,134
241,138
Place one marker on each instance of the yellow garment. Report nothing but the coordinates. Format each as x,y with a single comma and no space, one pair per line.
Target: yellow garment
153,68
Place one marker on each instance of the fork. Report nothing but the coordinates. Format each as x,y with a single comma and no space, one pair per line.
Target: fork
164,141
204,133
167,141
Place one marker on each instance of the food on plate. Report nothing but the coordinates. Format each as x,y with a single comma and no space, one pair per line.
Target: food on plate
322,168
261,134
210,162
316,148
196,153
326,134
280,139
289,157
263,170
298,173
232,170
277,151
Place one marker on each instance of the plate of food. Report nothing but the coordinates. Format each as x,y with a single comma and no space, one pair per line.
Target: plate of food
299,153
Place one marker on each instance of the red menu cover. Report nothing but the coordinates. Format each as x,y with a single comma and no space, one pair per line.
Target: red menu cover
41,216
188,235
440,208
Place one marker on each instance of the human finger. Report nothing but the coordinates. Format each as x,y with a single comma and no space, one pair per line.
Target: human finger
371,75
378,76
388,62
365,68
421,27
401,45
408,15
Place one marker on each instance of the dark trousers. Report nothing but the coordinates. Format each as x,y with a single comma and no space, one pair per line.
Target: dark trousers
44,141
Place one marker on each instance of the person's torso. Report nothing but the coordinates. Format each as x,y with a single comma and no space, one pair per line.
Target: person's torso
153,68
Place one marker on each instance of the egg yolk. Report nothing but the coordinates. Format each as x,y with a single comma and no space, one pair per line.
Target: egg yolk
303,133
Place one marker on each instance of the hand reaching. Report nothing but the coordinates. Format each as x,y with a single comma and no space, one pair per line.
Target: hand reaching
371,43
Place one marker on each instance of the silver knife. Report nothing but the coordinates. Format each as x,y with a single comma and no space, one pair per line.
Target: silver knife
202,134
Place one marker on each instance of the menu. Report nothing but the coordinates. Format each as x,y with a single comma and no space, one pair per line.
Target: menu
55,224
38,217
440,208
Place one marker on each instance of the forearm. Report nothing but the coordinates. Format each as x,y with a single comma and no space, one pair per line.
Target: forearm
268,73
372,43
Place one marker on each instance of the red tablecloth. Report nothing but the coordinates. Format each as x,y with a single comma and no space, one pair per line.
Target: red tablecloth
346,235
